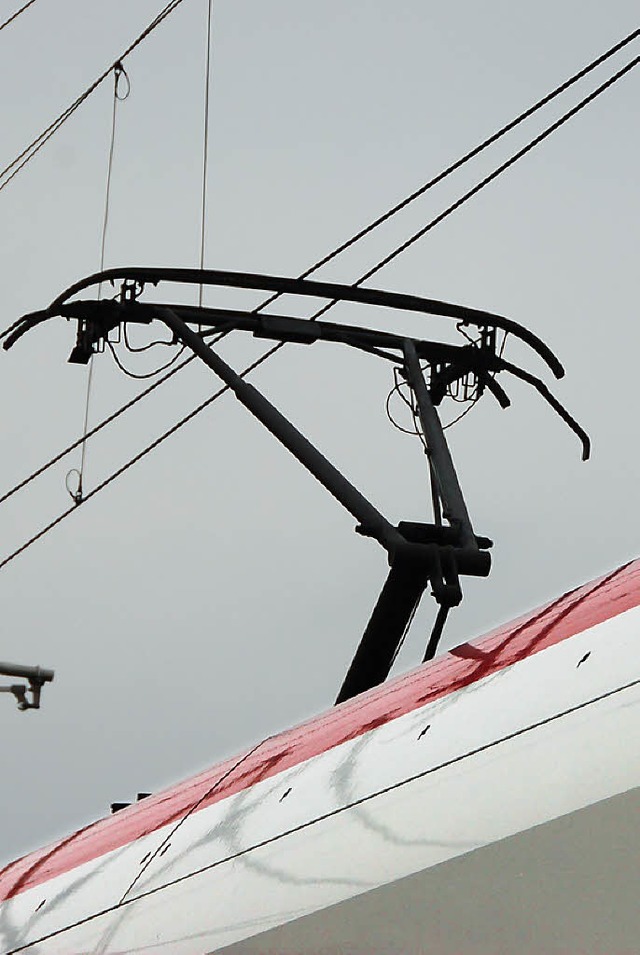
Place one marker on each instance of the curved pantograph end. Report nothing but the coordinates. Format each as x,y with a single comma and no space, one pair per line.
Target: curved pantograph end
553,402
23,325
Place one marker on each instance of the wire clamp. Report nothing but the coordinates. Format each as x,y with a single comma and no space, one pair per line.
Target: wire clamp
119,74
131,290
75,493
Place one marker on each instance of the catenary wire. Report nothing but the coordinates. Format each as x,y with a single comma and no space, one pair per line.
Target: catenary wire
205,144
203,216
519,154
20,161
138,457
450,209
99,427
103,424
14,16
383,218
168,9
502,168
513,159
476,151
119,73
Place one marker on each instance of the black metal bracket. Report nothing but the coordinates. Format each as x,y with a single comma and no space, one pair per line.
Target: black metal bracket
421,555
27,696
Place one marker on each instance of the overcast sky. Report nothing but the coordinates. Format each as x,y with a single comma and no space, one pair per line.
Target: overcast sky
215,594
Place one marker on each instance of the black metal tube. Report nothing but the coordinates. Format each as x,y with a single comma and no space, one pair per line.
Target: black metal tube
436,633
33,674
550,398
372,521
391,615
278,328
307,287
455,509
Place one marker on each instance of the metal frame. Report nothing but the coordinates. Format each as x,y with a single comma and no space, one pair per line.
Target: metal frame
420,555
36,677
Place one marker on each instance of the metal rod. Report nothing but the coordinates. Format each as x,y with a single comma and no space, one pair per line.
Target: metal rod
372,522
306,287
455,509
397,602
33,674
282,328
436,633
274,327
542,389
435,498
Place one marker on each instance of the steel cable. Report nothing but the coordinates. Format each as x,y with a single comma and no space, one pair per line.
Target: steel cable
205,143
138,457
106,421
500,169
450,209
22,159
14,16
363,232
119,73
476,151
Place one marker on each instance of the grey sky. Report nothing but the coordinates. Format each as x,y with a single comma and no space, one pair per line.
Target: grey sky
215,594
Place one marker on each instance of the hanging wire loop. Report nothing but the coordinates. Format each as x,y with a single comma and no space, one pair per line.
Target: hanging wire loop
74,490
122,83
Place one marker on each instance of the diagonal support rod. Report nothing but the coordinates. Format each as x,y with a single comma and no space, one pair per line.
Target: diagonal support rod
372,523
416,559
443,469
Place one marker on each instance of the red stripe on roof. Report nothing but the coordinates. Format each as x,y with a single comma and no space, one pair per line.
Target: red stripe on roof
573,613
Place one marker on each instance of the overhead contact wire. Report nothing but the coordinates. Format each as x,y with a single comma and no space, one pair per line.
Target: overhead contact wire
201,407
16,165
476,151
14,16
138,457
468,195
103,424
426,186
119,73
500,169
486,181
205,145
